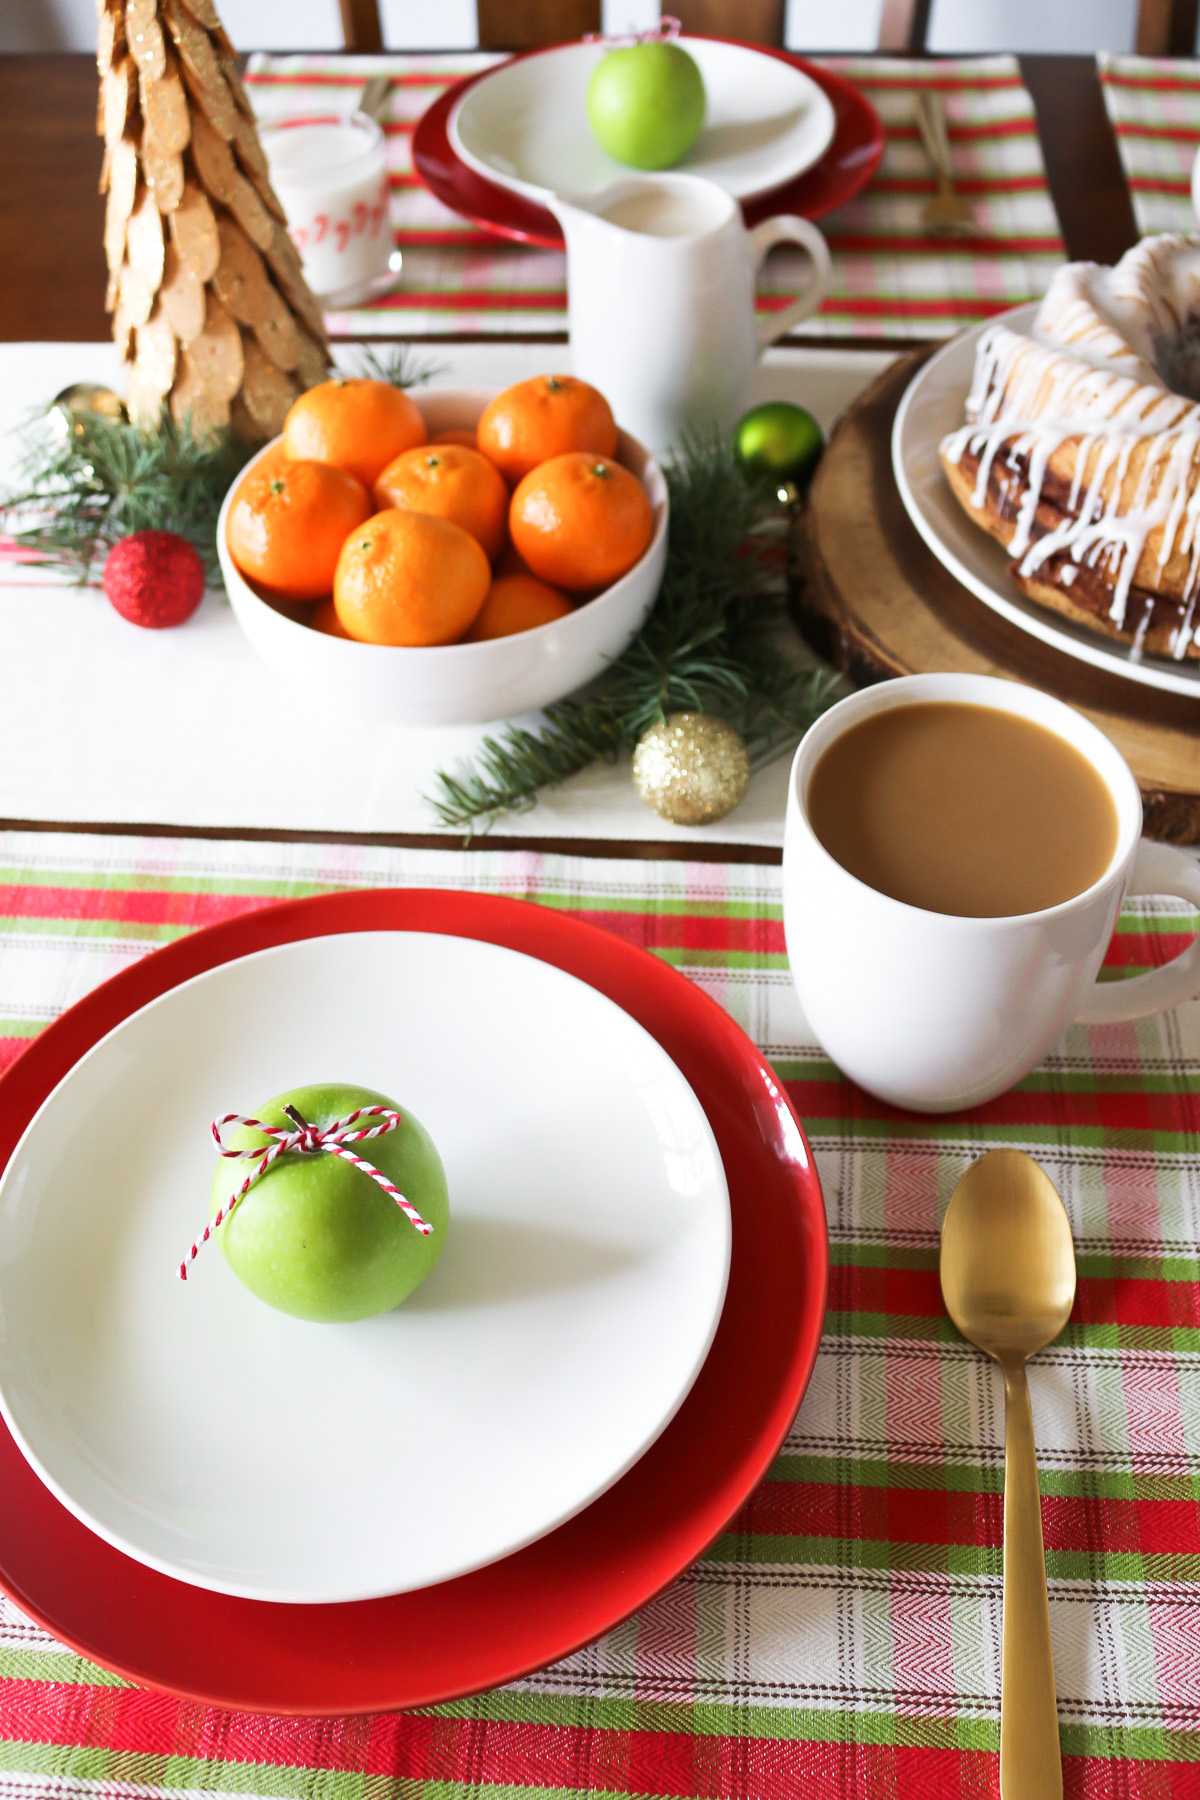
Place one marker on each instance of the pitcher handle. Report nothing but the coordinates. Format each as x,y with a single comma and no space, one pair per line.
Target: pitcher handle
1157,869
787,229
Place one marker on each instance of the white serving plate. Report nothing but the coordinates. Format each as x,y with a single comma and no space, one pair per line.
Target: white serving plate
457,684
260,1455
933,405
525,125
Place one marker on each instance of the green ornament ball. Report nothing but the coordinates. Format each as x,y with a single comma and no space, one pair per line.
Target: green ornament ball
646,104
779,443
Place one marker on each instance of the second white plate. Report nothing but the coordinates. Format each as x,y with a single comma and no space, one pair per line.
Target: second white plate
526,126
933,405
242,1450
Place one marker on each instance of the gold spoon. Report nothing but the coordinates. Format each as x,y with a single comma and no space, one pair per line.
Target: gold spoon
1008,1280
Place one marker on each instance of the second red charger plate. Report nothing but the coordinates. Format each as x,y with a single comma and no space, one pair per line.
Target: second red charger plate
531,1608
845,168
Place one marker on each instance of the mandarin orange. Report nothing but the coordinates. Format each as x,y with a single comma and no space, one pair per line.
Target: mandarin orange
455,436
288,521
509,563
324,618
544,417
580,521
356,424
517,603
409,578
454,483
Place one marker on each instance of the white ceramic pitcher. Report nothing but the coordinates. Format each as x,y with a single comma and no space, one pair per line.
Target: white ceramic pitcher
660,279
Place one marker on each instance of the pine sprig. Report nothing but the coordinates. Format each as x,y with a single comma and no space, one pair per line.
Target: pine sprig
507,773
83,490
710,644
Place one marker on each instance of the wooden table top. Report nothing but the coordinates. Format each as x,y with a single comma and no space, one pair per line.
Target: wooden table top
52,221
54,278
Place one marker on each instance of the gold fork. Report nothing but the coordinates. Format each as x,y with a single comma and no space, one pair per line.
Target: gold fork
374,98
947,214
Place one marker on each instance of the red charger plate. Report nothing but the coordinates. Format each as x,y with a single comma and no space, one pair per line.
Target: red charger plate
531,1608
845,168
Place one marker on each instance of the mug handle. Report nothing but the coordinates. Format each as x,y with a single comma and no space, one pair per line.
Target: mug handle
787,229
1157,869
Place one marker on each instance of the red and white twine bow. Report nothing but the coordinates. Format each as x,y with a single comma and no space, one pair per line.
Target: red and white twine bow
306,1140
668,27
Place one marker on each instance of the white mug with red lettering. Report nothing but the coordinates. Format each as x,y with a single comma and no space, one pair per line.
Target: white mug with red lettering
330,177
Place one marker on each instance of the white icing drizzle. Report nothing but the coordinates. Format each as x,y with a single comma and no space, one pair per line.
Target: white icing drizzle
1085,385
1139,636
1182,635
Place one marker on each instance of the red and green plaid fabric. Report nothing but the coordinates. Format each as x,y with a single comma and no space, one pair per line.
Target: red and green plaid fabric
1154,109
891,279
843,1636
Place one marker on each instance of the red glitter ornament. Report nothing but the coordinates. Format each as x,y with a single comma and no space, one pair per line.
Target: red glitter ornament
154,578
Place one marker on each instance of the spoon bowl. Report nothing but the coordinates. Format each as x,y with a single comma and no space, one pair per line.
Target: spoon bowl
1008,1263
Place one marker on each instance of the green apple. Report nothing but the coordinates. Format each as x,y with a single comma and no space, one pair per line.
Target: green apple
315,1236
646,104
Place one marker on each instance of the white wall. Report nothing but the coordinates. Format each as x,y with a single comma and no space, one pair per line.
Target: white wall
426,24
971,25
618,16
814,25
1069,25
252,24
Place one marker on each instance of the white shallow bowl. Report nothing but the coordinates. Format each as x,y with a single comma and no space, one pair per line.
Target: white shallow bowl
256,1454
526,126
459,684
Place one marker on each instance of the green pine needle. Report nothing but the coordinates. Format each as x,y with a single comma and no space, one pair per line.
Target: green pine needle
398,364
711,644
83,491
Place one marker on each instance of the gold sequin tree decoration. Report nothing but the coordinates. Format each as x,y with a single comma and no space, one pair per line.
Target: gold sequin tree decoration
211,313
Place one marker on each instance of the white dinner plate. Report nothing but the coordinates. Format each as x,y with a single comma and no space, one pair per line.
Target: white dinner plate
256,1454
526,124
933,405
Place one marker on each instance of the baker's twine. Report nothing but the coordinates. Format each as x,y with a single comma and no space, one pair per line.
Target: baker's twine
306,1140
668,27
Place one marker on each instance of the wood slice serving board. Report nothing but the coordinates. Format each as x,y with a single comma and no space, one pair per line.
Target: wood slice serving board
877,603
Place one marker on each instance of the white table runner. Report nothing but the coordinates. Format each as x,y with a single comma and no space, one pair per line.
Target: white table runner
101,722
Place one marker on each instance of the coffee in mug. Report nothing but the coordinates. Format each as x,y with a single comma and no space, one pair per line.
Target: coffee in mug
934,968
963,809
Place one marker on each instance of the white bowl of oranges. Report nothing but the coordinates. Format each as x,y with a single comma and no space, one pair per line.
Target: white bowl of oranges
444,558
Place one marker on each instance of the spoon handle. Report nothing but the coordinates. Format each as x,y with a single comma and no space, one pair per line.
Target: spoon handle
1030,1762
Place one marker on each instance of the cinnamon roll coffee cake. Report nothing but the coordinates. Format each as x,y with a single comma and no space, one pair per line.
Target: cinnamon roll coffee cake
1081,447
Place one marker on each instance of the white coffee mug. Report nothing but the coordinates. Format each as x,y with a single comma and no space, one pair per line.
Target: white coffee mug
937,1012
660,284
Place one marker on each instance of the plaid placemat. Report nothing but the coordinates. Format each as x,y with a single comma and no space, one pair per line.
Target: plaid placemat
890,278
843,1636
1154,108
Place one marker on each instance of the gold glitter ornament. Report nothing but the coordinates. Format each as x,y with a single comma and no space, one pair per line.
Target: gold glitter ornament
82,401
691,768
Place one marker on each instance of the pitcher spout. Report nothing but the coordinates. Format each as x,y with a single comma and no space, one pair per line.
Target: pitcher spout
651,207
